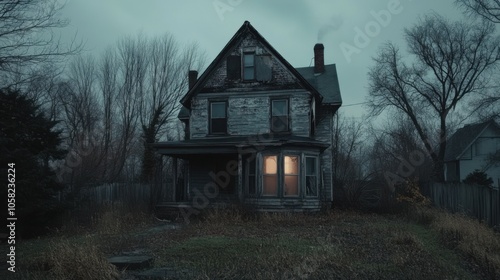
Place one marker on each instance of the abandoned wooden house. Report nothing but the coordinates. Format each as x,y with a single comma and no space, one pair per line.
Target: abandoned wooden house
258,132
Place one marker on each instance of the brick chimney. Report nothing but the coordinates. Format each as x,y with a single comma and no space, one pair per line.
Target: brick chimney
319,58
192,76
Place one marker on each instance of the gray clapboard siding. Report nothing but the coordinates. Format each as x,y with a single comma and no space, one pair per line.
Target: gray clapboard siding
323,133
250,115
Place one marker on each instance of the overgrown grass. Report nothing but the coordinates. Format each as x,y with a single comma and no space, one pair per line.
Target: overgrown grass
67,254
230,244
338,245
473,239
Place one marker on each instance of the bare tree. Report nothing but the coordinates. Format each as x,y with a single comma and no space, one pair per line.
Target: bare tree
108,83
167,83
132,65
351,179
487,9
452,64
28,38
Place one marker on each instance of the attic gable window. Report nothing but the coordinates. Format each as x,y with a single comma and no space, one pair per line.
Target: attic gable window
279,115
248,66
218,117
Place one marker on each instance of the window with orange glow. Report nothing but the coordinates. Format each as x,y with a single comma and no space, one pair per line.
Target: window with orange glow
291,164
270,175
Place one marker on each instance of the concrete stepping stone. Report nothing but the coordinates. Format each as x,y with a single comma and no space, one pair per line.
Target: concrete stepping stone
131,262
164,273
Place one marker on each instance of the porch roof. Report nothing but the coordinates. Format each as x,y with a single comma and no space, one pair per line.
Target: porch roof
234,144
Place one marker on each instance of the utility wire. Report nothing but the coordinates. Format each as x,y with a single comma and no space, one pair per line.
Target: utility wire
348,105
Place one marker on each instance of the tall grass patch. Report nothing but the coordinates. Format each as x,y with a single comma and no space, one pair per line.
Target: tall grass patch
70,260
472,238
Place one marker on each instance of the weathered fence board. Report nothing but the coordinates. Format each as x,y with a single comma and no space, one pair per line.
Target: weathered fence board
474,200
110,193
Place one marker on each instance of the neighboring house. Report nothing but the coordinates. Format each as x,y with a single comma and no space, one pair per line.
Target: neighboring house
470,148
257,128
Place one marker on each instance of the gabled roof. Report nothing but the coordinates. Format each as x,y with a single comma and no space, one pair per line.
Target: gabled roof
240,34
326,83
463,138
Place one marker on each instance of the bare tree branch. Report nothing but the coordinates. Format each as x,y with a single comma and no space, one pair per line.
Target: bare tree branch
28,38
487,9
452,64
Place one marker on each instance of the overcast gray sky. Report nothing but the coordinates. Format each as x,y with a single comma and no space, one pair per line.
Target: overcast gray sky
292,27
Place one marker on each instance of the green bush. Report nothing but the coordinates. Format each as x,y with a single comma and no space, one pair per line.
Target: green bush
479,177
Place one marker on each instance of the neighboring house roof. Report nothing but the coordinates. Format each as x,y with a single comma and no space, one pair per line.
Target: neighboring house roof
243,31
463,138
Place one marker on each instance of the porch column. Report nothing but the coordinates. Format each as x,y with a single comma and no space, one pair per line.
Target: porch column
174,179
240,178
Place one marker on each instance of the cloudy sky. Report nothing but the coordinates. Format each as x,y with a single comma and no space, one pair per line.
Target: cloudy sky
351,31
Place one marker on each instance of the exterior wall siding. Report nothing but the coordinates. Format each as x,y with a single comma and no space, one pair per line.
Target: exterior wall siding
250,115
324,133
281,77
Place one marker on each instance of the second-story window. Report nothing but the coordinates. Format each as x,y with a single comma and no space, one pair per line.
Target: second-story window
248,66
218,117
279,115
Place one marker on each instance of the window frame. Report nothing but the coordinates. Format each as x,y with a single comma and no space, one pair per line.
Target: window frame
316,175
210,124
297,175
263,174
287,106
250,162
244,67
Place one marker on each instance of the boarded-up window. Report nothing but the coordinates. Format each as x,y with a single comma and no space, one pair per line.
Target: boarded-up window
233,67
263,68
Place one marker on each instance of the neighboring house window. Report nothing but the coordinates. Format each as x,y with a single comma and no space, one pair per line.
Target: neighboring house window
311,177
270,175
279,115
485,146
218,117
248,66
291,164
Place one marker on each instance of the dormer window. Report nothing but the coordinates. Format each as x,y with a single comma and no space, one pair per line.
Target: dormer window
249,66
218,117
279,115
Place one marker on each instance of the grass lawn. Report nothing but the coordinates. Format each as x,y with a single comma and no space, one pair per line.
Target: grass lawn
426,244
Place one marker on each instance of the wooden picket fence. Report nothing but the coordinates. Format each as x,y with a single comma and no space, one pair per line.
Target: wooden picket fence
130,193
474,200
